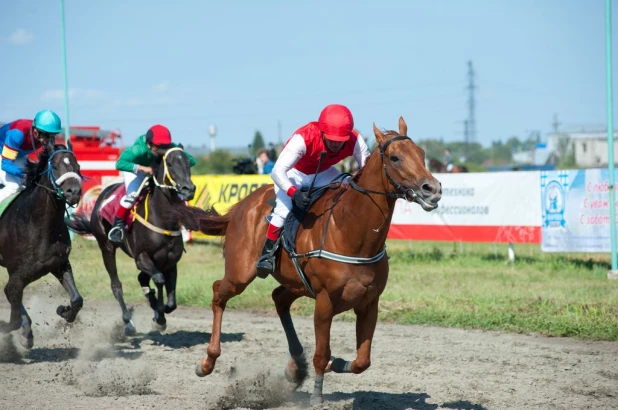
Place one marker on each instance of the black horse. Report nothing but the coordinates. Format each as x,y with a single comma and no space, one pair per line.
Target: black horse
154,242
34,239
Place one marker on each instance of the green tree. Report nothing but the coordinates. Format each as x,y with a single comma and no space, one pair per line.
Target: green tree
219,162
258,142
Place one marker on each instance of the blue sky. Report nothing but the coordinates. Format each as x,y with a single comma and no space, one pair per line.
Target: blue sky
247,65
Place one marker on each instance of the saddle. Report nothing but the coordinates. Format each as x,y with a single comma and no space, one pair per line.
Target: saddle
296,216
110,205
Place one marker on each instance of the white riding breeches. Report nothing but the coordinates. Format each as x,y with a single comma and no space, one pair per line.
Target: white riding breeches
283,203
11,182
132,182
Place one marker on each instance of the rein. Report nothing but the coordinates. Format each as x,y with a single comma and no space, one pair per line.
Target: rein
166,172
401,192
166,175
56,182
144,220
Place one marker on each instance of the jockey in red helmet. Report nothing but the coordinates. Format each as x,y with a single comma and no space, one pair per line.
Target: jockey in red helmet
296,166
134,162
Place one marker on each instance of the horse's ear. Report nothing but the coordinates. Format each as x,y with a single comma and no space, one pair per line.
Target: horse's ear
403,127
180,146
380,138
69,145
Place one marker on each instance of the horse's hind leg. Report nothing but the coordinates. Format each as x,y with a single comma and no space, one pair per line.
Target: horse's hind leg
65,276
109,259
296,371
27,337
223,290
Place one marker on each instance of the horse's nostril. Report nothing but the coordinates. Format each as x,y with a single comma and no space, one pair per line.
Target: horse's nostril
428,189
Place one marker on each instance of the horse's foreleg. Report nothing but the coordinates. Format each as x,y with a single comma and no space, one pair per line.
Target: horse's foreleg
65,276
146,266
14,291
223,290
109,259
170,287
296,370
366,319
322,321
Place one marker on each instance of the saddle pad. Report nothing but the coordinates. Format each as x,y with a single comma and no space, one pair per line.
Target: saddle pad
110,206
6,202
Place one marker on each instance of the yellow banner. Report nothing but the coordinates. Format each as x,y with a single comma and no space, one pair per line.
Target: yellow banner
223,191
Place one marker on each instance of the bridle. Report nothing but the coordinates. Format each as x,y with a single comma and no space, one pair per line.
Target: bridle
57,181
166,173
400,191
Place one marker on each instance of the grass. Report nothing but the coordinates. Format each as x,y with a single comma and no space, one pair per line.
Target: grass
442,284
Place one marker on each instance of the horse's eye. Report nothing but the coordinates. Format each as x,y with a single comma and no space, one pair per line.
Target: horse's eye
394,158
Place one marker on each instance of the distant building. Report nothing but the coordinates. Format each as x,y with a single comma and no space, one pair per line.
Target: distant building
588,145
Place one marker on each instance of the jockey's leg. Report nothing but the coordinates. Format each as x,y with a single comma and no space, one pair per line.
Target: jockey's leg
12,184
325,177
132,183
267,261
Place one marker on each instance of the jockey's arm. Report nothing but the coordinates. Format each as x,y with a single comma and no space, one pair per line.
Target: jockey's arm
128,160
13,141
361,152
294,150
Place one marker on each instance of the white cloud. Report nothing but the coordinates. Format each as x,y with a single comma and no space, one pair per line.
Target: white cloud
20,37
58,94
161,87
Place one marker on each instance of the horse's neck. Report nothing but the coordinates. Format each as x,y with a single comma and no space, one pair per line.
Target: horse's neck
373,211
45,204
159,204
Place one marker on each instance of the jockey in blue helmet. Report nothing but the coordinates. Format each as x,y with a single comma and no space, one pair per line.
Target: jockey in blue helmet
20,138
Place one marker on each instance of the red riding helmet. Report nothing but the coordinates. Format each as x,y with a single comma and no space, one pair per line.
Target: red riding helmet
336,122
159,135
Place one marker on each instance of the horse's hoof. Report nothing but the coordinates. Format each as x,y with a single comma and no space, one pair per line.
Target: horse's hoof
129,329
289,375
316,399
26,342
198,369
158,328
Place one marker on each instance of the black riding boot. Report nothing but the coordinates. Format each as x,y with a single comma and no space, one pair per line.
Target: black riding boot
266,263
116,234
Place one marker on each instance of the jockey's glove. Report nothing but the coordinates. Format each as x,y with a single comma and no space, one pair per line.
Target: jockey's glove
301,200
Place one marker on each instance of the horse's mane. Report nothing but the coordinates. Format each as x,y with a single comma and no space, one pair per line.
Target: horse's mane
359,173
35,170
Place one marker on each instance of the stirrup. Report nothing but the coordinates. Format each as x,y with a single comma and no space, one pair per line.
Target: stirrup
112,237
262,270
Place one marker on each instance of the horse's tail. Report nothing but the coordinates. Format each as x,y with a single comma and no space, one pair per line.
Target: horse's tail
208,221
80,223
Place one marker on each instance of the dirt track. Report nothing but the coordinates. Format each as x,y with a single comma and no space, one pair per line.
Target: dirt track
79,366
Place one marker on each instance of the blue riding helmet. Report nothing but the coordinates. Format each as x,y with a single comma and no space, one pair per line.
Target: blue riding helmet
48,121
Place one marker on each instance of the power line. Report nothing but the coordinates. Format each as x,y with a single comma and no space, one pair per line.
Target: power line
471,121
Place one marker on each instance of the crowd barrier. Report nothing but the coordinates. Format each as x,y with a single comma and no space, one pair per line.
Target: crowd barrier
562,210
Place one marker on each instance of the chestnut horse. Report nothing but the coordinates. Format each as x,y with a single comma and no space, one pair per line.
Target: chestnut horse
358,216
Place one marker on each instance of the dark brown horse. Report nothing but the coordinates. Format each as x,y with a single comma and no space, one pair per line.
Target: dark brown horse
154,241
34,240
439,167
358,216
